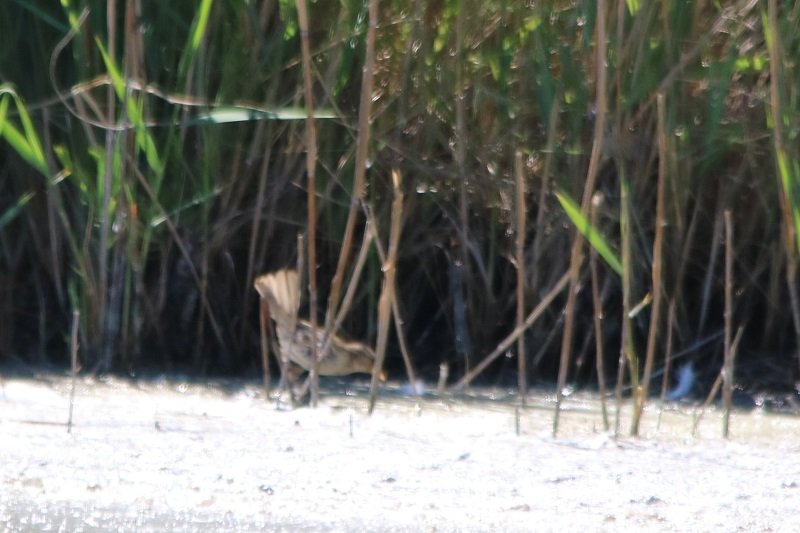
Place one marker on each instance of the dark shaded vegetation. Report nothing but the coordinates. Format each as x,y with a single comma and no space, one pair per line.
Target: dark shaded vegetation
153,221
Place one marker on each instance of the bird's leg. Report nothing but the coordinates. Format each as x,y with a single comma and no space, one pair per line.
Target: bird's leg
303,391
289,375
291,381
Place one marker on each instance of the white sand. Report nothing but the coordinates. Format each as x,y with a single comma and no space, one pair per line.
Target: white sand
169,456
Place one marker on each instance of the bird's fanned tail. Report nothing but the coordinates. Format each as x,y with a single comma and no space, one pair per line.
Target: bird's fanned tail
282,291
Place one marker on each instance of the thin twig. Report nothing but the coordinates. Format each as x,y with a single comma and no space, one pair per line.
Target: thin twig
463,215
255,224
522,370
404,351
717,382
667,360
727,372
598,323
541,209
711,268
73,344
509,340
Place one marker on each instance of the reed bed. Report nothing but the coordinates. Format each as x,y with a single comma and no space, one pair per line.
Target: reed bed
156,157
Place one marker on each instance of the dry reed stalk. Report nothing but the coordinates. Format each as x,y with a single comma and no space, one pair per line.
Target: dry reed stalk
588,191
617,129
344,308
73,350
311,169
566,338
398,320
509,340
657,282
300,267
540,224
388,292
686,239
522,369
598,323
775,62
667,359
627,347
699,415
622,364
401,339
717,383
362,148
727,372
358,268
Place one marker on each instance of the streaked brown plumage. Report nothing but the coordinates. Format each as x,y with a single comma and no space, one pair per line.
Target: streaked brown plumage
282,291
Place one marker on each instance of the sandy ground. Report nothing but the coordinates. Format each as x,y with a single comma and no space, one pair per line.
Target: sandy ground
171,456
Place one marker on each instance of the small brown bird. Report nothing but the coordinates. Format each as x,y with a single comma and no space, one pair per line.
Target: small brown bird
281,289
